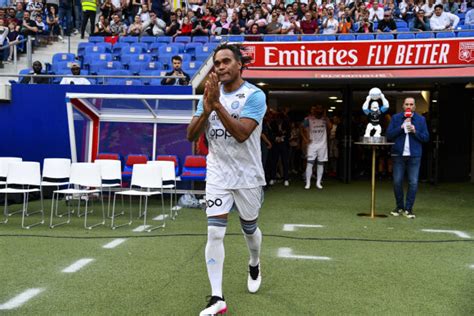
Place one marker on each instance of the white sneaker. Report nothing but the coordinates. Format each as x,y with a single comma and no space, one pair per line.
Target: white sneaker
318,185
216,306
286,183
254,279
307,186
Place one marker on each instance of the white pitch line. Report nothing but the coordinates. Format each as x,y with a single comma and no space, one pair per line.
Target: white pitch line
141,228
114,243
20,299
292,227
288,253
76,266
458,233
471,266
160,217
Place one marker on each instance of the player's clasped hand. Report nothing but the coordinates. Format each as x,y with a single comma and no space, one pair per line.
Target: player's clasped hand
211,93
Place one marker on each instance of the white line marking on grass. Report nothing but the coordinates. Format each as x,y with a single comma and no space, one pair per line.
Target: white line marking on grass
114,243
21,299
288,253
159,217
141,228
292,227
76,266
456,232
471,266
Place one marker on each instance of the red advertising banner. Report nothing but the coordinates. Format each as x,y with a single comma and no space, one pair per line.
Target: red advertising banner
362,54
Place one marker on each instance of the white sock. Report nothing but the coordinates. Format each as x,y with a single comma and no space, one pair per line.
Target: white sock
254,243
215,255
320,171
309,172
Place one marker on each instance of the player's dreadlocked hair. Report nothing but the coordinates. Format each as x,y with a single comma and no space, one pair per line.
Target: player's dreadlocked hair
238,51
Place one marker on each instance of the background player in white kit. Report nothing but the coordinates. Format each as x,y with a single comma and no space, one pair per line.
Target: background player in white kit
317,127
231,115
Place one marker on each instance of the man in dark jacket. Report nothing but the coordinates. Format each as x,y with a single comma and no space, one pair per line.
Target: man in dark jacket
176,72
408,130
32,78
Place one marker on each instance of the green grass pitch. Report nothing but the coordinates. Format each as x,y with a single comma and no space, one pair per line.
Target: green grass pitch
383,266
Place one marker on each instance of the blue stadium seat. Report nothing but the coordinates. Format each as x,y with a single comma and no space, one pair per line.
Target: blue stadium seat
405,36
97,66
153,65
346,37
107,46
463,27
182,39
148,40
403,29
118,47
270,38
136,67
466,34
56,67
194,168
81,48
178,45
424,35
128,39
192,65
96,39
167,50
63,57
147,81
57,80
445,35
201,39
142,58
92,57
202,53
385,36
235,38
365,37
124,82
310,38
155,82
164,39
216,39
400,23
136,48
111,72
95,49
191,47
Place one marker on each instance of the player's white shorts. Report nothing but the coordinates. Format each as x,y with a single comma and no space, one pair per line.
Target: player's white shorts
317,152
247,201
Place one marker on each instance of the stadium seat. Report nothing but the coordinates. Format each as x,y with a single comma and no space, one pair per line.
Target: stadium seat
400,23
310,38
118,47
216,39
152,65
425,35
96,39
107,46
365,37
346,37
148,40
111,72
94,57
61,65
168,176
155,82
164,39
445,35
108,156
194,168
403,29
98,65
124,82
81,48
466,34
193,65
63,57
135,48
130,161
27,175
405,36
87,180
154,49
182,39
148,81
236,38
95,49
146,181
168,50
201,39
111,175
190,48
4,162
128,39
172,158
385,36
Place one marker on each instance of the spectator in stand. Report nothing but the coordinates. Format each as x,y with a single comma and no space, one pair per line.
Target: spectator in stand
421,22
443,21
309,25
102,27
428,8
244,16
409,13
77,8
221,27
76,71
179,16
107,9
11,16
3,41
118,5
274,27
12,38
117,28
387,24
469,18
20,11
52,3
365,26
32,78
53,23
392,7
89,9
254,34
28,26
144,13
184,78
209,16
451,7
346,22
136,6
154,27
290,25
65,16
200,27
41,27
136,28
172,26
186,28
35,8
361,12
236,25
330,24
376,12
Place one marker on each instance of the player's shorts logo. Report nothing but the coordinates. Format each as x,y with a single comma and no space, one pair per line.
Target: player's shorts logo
466,51
216,202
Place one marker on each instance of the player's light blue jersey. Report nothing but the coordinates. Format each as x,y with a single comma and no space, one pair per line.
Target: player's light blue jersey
230,164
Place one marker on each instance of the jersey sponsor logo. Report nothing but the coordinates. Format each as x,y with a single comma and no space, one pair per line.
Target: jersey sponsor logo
235,105
214,117
240,95
216,133
216,202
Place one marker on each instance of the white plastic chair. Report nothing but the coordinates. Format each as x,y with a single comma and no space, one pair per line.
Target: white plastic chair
4,161
56,172
111,174
147,178
86,178
168,174
25,174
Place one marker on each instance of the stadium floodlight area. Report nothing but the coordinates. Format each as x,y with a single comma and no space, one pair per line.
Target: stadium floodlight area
137,121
